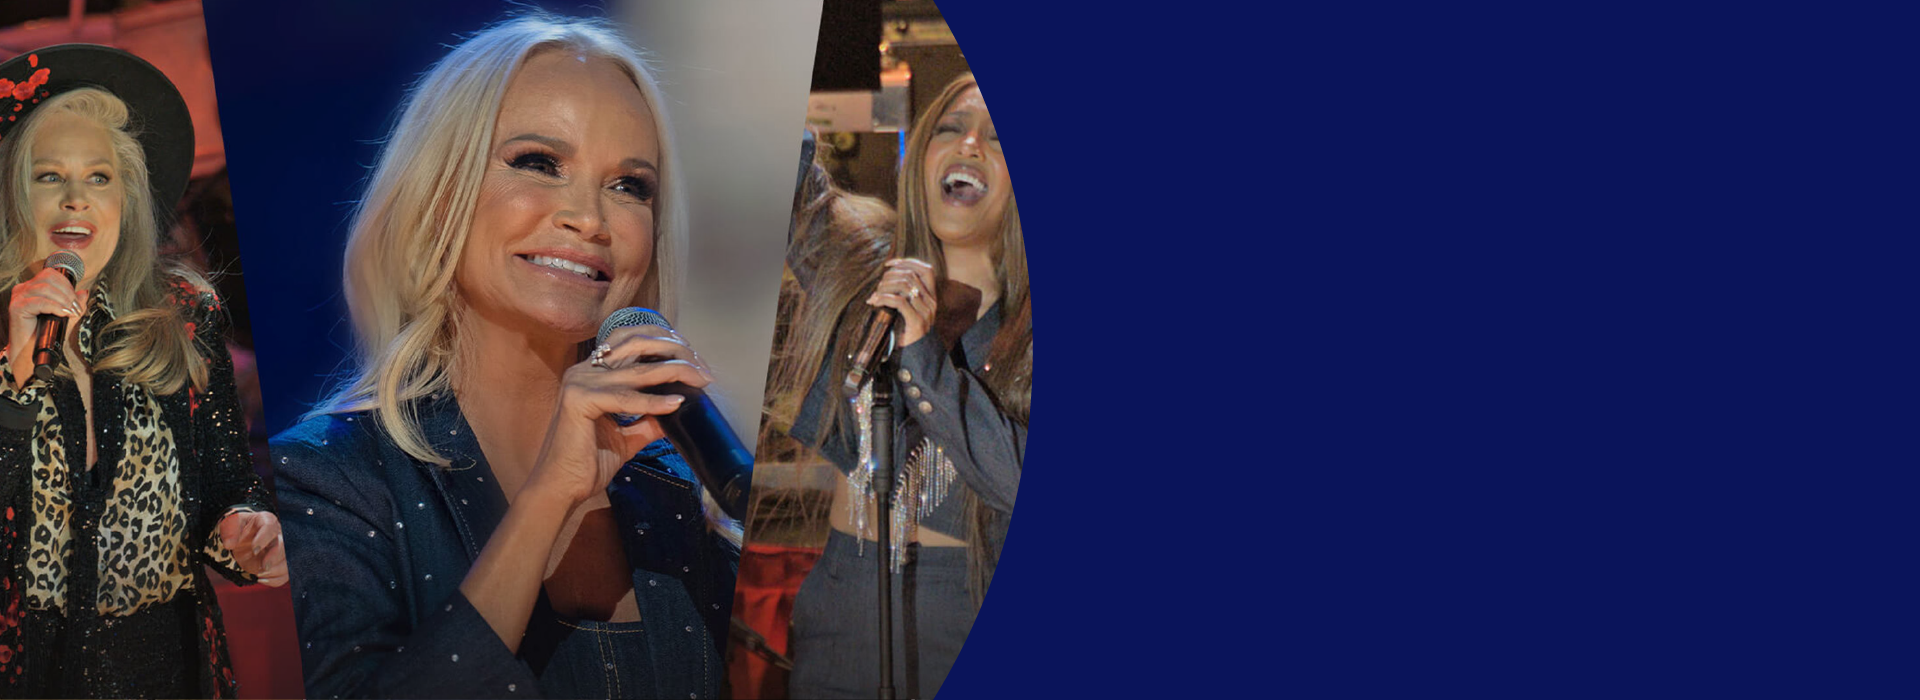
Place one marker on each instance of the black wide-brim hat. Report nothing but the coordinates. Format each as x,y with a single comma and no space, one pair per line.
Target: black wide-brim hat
160,117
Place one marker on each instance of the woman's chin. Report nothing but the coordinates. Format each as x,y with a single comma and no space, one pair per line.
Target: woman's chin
964,233
571,323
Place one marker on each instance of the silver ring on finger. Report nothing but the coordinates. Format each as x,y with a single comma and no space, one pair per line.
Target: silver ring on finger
599,356
913,293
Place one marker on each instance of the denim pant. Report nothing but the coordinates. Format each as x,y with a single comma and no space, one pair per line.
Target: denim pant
644,659
836,653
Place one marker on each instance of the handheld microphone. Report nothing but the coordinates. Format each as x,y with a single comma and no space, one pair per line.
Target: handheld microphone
697,428
867,357
51,329
959,304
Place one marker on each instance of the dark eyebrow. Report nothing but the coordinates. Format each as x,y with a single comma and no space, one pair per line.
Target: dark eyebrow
566,149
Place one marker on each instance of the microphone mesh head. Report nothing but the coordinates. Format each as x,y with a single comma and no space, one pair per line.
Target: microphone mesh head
630,316
68,262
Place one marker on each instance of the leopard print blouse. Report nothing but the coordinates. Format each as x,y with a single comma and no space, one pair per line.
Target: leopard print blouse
144,558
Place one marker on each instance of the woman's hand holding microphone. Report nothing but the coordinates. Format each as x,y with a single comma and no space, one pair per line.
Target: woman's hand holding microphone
907,287
47,293
583,450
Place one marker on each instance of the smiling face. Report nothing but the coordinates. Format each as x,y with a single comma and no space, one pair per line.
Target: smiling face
966,174
76,193
562,233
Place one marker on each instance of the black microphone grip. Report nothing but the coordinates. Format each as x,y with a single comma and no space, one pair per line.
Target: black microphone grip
867,357
718,458
46,345
697,429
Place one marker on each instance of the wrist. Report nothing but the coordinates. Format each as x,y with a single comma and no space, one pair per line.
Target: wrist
544,495
20,369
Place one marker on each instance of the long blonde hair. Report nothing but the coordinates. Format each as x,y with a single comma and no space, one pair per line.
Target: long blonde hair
409,230
150,345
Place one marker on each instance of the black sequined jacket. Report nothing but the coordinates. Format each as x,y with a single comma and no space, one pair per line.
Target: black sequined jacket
215,475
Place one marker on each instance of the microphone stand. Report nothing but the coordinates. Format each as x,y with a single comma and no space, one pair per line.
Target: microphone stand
883,502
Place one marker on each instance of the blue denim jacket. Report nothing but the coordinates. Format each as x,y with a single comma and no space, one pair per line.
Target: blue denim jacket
378,544
938,393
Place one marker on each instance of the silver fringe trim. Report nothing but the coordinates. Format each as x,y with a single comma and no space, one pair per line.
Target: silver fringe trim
920,486
860,479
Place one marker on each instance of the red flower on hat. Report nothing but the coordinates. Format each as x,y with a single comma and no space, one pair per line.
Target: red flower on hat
25,89
33,59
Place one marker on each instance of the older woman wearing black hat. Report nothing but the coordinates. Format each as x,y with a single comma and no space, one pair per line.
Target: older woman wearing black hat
123,458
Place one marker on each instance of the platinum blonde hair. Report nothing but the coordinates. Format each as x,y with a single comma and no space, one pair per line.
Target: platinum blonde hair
157,350
409,230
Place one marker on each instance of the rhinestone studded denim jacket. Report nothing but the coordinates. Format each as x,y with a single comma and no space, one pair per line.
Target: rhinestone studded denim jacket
379,542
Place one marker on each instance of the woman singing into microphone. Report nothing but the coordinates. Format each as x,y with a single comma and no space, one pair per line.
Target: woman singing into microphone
127,470
465,518
955,272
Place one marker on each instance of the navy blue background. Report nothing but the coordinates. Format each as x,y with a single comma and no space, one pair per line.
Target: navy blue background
1445,352
1416,352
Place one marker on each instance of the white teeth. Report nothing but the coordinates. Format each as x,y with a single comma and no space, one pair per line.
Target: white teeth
559,264
963,177
72,229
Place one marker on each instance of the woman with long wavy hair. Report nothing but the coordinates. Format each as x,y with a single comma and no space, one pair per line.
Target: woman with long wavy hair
466,519
124,449
954,269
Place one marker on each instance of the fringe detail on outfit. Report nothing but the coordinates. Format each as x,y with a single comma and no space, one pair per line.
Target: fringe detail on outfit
921,484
